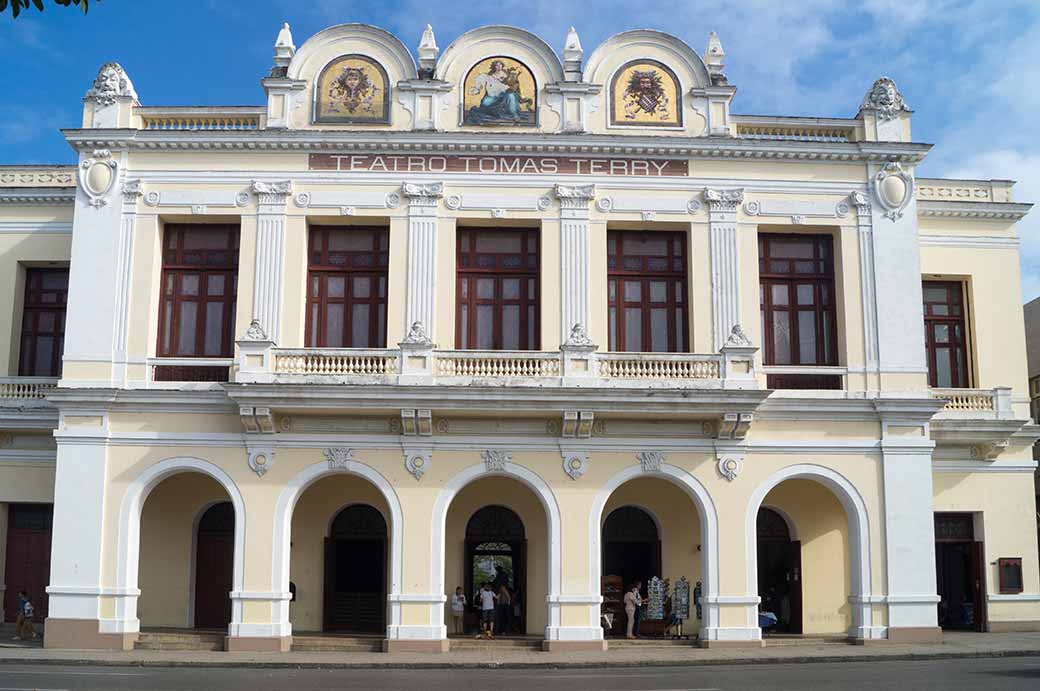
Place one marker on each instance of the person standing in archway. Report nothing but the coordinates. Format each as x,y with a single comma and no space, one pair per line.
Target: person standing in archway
458,608
487,610
633,601
505,609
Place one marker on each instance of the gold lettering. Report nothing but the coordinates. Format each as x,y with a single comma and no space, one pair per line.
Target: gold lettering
660,165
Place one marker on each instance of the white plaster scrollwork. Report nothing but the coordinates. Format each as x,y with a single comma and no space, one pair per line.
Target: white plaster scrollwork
885,99
752,207
152,198
393,200
453,201
242,199
723,200
893,189
417,335
798,220
97,175
417,462
543,203
498,213
575,463
347,211
841,209
260,460
693,206
730,465
423,190
578,337
737,338
495,460
648,215
339,458
650,461
255,332
860,201
198,209
111,83
605,204
272,192
132,189
302,199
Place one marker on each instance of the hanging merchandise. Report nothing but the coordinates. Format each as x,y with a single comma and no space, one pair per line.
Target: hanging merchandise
657,592
681,598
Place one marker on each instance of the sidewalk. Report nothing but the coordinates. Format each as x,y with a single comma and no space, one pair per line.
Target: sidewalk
955,645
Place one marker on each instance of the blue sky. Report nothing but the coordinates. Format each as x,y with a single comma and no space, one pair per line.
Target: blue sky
970,70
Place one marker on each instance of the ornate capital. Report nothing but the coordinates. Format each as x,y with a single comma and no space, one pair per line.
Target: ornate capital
423,193
860,201
885,100
272,192
575,196
723,200
110,83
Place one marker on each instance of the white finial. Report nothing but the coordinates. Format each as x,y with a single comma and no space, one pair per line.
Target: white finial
572,54
713,57
427,53
284,48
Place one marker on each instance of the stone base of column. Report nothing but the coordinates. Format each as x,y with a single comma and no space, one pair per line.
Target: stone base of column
1012,626
573,646
83,634
249,644
732,644
914,634
397,645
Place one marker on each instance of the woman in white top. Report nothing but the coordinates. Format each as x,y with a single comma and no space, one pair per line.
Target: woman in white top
458,608
632,603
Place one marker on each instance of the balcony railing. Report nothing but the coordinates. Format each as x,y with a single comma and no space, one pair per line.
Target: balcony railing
422,364
200,117
25,392
795,129
975,403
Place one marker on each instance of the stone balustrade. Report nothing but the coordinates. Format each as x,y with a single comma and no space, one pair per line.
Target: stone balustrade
979,191
25,391
975,403
200,118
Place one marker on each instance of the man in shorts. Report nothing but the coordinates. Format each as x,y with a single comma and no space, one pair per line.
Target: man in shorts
487,610
23,628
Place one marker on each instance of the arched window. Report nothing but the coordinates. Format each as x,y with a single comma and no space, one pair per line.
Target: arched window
358,522
495,524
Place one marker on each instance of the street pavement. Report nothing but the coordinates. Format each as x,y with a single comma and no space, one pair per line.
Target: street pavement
905,675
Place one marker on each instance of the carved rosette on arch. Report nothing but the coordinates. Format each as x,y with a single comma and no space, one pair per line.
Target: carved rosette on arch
893,189
97,176
575,463
260,460
339,458
730,464
650,461
495,460
417,461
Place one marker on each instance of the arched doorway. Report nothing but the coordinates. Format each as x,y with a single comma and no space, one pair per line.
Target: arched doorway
779,571
355,571
214,566
631,551
496,550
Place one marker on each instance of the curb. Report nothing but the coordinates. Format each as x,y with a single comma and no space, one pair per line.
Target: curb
251,664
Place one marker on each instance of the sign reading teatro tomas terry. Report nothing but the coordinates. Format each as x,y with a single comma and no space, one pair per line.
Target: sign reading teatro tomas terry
516,165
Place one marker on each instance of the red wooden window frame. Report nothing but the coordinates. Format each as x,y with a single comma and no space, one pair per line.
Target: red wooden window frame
212,268
1009,573
787,276
944,317
43,320
642,272
477,268
352,266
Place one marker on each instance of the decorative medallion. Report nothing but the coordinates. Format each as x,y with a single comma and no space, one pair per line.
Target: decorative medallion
417,462
352,89
495,461
650,461
730,466
645,93
260,461
339,458
97,176
893,189
500,91
575,463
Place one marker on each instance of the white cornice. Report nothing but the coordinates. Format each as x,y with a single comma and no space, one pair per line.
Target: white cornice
37,195
972,210
492,143
970,241
32,227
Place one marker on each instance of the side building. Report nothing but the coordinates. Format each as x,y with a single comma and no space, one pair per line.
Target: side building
498,316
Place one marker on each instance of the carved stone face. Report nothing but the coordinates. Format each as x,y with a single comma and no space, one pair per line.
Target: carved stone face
884,94
108,81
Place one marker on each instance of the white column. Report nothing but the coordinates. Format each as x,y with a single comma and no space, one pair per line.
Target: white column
868,278
422,254
909,533
124,279
270,254
574,255
725,261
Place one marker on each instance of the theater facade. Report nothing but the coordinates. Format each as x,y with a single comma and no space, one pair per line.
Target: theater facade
494,315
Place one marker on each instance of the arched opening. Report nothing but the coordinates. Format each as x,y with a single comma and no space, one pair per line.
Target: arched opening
186,520
502,543
651,528
805,582
339,556
779,574
355,571
496,549
214,566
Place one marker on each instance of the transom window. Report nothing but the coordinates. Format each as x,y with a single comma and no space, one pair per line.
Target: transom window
796,292
646,273
497,290
43,322
945,334
346,287
200,284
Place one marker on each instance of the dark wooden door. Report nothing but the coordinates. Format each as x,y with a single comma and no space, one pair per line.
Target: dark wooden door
355,586
214,567
977,576
794,592
28,565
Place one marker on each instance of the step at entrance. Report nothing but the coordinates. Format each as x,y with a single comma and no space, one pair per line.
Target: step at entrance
473,643
616,643
337,644
180,640
783,641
